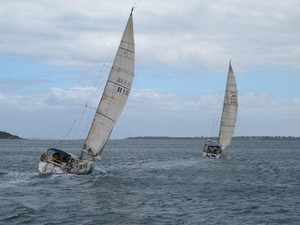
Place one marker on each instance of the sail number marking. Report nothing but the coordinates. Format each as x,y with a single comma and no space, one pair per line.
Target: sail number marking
123,82
124,85
233,98
123,91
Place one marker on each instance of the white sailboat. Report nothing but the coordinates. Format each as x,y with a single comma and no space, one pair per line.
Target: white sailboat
228,119
111,105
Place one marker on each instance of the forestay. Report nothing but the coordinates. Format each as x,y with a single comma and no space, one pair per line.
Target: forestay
115,94
230,108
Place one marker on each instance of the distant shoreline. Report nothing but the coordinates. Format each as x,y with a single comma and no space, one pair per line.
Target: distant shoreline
200,138
6,135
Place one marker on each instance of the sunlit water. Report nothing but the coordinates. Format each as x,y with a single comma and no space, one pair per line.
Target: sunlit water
154,182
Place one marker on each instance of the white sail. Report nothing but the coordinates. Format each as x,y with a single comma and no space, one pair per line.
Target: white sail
115,94
229,113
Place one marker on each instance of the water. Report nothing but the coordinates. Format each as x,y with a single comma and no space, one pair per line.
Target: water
154,182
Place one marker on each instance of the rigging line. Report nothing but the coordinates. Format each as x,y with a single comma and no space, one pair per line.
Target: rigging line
102,72
97,84
82,112
66,135
99,79
218,106
86,112
87,106
79,123
80,115
72,127
90,116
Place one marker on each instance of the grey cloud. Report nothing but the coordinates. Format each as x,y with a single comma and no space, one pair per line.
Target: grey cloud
205,33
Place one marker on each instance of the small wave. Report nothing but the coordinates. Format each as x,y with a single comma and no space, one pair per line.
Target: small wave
3,173
101,172
43,175
19,214
12,179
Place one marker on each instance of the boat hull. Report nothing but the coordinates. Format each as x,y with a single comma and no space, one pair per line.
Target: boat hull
49,167
79,168
45,167
60,162
211,155
212,151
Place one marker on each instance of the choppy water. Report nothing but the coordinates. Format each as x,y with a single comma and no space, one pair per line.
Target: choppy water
154,182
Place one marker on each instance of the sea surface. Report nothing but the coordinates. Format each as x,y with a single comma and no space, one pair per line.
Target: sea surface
154,182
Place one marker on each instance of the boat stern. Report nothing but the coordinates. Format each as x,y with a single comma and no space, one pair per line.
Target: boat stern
213,151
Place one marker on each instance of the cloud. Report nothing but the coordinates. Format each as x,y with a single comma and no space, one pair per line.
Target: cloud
197,33
48,114
56,97
255,105
68,97
148,112
152,102
265,106
154,113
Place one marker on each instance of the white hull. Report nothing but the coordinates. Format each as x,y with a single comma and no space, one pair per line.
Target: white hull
211,155
80,168
45,167
70,164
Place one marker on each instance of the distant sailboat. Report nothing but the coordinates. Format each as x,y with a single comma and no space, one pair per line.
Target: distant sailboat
113,101
228,119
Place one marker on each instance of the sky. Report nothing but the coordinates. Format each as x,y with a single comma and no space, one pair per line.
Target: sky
55,56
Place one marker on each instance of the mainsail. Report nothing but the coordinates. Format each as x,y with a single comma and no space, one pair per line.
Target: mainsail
229,112
115,93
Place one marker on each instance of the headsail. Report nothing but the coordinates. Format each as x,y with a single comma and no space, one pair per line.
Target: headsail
230,108
115,94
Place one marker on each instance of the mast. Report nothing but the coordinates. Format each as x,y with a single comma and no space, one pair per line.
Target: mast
229,113
115,94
